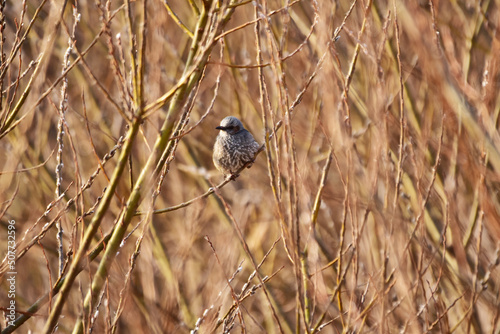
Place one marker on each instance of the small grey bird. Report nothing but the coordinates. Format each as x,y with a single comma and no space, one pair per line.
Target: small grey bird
234,146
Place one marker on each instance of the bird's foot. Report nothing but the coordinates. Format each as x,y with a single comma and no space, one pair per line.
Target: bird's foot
232,177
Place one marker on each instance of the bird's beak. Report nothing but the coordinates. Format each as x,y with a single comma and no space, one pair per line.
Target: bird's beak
220,128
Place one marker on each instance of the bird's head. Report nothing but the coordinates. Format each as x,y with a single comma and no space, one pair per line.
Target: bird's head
230,125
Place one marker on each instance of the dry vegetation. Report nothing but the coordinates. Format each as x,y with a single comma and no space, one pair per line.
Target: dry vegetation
374,207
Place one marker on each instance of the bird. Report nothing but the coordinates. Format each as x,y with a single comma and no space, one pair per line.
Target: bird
234,147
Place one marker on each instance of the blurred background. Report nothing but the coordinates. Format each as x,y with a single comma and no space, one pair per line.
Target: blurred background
374,207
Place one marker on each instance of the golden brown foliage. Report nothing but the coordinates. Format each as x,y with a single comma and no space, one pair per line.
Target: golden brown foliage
374,206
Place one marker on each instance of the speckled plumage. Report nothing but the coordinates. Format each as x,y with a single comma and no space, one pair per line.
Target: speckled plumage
234,146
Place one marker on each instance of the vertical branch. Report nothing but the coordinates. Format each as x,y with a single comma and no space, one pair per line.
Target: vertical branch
277,65
472,315
402,124
345,93
322,184
312,230
340,275
105,18
63,107
265,109
132,43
